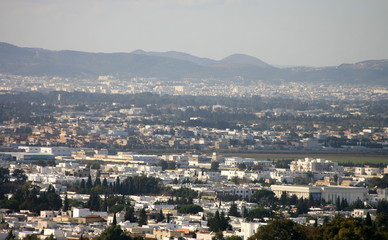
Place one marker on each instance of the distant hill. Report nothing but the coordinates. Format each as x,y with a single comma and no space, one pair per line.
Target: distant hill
178,55
242,59
178,65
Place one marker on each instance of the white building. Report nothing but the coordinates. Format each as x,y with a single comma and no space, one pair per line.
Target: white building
367,171
328,193
82,212
314,165
250,228
243,192
57,151
234,161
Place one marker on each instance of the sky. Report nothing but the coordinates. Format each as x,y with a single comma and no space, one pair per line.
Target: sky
281,32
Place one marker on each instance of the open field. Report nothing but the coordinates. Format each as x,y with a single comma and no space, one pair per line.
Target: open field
356,158
344,157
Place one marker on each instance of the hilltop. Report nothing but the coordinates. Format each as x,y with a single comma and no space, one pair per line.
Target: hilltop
178,65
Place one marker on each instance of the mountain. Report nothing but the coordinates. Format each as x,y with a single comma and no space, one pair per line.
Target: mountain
177,65
35,61
242,59
179,56
367,65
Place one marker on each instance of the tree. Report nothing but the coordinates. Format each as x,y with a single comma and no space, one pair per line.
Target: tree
113,232
234,237
190,209
241,166
160,217
10,236
233,211
381,222
382,206
259,212
66,204
338,204
379,182
4,175
97,182
214,166
368,220
162,163
280,229
224,221
130,214
344,204
218,222
51,237
143,219
345,228
105,183
114,222
218,236
335,179
19,175
31,237
235,180
89,183
54,201
302,206
283,199
94,201
184,192
213,222
245,213
104,206
264,197
117,187
82,185
357,205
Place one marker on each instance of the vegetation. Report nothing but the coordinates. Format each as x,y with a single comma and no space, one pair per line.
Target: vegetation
30,197
338,228
218,222
130,186
35,107
281,229
190,209
113,232
143,219
166,164
233,211
379,182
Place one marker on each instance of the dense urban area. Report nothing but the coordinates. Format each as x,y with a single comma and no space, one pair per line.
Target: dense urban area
119,157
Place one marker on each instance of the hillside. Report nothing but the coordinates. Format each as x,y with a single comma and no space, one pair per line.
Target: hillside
177,65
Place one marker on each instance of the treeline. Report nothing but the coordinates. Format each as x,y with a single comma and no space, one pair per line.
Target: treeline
267,203
338,228
256,103
379,182
136,185
27,112
30,197
26,195
35,107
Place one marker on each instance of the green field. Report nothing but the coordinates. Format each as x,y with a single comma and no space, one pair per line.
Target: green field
356,158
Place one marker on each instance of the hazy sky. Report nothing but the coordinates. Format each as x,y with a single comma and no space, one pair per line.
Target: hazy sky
286,32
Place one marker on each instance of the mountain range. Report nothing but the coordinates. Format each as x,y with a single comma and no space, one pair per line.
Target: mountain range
178,65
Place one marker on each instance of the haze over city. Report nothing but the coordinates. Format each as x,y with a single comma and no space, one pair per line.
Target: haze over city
309,33
193,119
